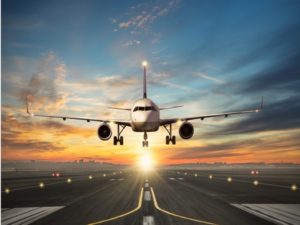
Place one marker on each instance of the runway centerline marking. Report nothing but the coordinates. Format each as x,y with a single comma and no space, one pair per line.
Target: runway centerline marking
177,215
148,220
124,214
147,196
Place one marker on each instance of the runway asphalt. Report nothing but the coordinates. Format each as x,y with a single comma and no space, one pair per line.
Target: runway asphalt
165,197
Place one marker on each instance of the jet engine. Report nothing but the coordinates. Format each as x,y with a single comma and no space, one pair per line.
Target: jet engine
104,132
186,130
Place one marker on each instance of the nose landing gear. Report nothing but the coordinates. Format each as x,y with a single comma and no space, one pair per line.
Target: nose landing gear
145,142
170,138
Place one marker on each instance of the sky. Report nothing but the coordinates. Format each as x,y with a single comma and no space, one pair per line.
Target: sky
77,58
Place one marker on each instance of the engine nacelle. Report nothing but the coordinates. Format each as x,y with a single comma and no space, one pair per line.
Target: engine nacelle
104,132
186,130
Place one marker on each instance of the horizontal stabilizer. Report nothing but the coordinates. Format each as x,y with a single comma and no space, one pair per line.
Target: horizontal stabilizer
171,107
126,109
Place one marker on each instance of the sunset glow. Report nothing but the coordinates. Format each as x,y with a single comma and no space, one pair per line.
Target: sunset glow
201,56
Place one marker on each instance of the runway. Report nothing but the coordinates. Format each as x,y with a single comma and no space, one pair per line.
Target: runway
157,197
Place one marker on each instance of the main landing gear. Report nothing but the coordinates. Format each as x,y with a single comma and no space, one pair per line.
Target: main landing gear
119,138
145,142
170,138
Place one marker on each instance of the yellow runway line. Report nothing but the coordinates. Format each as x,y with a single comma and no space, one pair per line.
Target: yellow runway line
176,215
124,214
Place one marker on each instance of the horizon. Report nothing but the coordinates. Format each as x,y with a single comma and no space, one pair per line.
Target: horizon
211,57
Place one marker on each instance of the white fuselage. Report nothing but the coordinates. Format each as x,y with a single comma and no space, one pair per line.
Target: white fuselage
144,116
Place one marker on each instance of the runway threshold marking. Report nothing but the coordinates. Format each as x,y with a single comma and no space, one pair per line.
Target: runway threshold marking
177,215
283,214
26,215
124,214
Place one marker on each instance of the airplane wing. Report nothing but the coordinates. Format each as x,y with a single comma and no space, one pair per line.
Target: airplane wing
175,120
124,123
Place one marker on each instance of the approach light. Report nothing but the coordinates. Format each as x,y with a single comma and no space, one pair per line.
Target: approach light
144,63
69,180
255,182
104,175
41,185
210,176
229,179
90,177
7,190
294,187
196,175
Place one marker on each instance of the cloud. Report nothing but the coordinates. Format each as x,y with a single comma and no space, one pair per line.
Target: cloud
283,76
21,134
143,15
251,149
205,76
279,115
41,90
132,42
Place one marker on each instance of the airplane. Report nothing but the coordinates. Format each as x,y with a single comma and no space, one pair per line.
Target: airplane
145,117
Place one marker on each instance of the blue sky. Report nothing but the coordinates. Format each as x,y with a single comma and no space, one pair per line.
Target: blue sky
76,57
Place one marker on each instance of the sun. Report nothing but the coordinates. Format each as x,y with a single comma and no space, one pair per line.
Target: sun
145,162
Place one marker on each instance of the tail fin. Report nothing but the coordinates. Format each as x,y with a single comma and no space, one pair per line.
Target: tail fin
145,80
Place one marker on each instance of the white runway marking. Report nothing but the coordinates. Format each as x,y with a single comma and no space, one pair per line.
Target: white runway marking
147,196
180,178
148,220
120,179
26,215
111,179
171,178
282,214
146,185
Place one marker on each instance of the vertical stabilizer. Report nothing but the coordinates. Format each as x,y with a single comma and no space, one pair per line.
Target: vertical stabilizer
145,80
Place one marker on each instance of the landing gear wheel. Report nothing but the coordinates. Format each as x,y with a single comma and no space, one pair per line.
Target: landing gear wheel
167,140
170,138
173,140
119,138
145,142
115,140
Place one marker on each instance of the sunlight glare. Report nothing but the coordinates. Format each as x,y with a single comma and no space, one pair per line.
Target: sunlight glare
146,162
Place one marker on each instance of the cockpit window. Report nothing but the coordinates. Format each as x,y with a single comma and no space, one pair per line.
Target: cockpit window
141,108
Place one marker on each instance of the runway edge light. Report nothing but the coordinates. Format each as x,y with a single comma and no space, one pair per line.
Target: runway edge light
7,190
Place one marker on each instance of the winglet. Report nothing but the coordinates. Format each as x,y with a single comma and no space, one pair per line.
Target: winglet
261,105
126,109
27,108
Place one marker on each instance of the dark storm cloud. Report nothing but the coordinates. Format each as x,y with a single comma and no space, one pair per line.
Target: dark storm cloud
29,145
283,76
237,148
279,115
211,151
278,44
